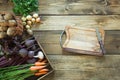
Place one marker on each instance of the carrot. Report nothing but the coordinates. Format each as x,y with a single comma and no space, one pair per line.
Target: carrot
39,73
34,68
39,63
43,70
44,61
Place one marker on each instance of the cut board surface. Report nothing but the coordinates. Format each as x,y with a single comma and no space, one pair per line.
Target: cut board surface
82,40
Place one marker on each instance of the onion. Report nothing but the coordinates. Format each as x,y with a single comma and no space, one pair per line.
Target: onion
29,22
24,23
35,15
30,31
33,20
29,17
23,18
27,27
38,20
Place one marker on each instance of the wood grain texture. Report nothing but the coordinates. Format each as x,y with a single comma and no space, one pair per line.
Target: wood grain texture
69,67
74,7
79,7
107,22
49,39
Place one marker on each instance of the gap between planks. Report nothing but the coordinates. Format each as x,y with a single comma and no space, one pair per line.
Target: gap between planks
69,67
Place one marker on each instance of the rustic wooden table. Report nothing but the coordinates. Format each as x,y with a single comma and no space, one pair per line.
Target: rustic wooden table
56,14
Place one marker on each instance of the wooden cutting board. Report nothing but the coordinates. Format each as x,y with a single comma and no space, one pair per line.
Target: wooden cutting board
83,40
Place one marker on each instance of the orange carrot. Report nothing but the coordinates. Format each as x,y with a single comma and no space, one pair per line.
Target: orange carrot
39,74
39,63
43,70
34,68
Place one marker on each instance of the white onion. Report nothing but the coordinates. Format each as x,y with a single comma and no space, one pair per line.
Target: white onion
29,17
38,20
35,15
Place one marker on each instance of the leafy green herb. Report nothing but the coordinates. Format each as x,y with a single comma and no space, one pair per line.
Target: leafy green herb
25,7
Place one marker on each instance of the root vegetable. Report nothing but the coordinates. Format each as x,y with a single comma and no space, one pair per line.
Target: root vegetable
37,20
35,15
3,28
29,22
29,17
3,23
39,63
40,55
11,31
2,35
23,52
40,73
31,54
24,19
34,68
27,27
33,20
30,31
8,16
24,23
29,43
12,23
43,70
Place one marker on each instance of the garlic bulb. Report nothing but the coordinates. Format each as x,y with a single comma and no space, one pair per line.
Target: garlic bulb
40,55
29,17
35,15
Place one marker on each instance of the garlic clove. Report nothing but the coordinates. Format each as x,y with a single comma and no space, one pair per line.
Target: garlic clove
40,55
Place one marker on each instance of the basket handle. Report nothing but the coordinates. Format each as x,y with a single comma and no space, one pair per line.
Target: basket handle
61,36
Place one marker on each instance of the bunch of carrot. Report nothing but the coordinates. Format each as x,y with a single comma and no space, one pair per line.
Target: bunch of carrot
23,71
39,68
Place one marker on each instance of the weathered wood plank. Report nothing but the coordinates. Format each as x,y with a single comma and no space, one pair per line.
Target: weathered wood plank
67,7
50,41
107,22
79,7
69,67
